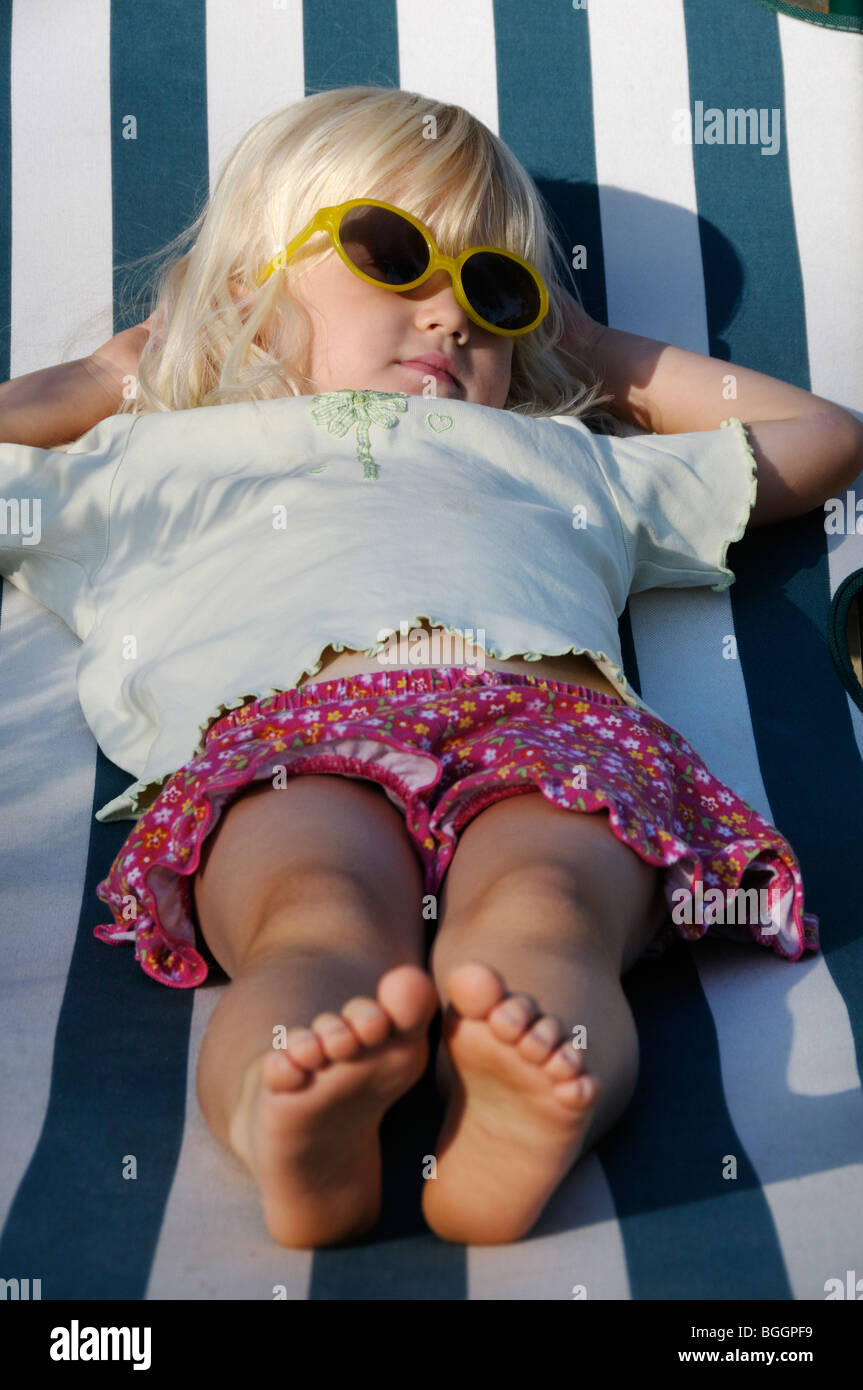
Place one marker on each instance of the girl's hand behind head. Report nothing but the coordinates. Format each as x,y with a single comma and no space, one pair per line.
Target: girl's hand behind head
119,356
580,331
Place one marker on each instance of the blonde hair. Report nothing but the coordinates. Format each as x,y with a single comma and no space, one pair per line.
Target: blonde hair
218,330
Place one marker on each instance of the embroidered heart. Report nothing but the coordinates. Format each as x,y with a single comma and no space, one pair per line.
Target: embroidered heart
438,422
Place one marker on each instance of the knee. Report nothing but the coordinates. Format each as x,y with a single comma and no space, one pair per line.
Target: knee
535,894
338,891
314,910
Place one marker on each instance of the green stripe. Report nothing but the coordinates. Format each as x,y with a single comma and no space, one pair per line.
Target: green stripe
545,107
160,178
350,45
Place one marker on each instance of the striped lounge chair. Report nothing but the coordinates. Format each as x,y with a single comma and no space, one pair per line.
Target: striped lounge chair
746,251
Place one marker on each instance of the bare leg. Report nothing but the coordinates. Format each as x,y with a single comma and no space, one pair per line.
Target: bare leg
309,899
548,902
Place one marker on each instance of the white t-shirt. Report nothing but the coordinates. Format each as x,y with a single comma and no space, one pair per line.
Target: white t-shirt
203,556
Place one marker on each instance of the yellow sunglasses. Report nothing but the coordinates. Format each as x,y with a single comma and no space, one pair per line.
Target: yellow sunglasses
389,248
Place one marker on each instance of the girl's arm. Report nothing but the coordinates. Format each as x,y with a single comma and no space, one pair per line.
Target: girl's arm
58,404
807,448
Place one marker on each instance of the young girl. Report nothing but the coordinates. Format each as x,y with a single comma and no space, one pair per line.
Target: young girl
395,556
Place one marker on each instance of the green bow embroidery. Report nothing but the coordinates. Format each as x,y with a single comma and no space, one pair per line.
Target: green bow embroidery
339,410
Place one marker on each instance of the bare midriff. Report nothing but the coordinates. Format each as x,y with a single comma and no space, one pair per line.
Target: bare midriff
574,670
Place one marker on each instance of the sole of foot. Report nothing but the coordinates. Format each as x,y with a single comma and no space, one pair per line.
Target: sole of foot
308,1117
519,1100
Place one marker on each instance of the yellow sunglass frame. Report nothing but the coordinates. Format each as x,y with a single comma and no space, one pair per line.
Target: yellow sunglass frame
329,220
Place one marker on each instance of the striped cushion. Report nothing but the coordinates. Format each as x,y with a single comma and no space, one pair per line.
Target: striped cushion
717,247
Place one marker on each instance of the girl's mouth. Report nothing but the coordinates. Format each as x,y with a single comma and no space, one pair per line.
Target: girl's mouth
428,370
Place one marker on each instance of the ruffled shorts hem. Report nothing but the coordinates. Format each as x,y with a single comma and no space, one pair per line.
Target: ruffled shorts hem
444,743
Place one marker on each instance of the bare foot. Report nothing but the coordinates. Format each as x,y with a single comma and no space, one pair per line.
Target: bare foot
308,1117
519,1102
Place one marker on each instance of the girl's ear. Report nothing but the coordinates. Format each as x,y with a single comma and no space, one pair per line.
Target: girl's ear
155,323
237,292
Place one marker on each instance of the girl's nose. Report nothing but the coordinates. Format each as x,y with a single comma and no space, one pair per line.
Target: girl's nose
437,296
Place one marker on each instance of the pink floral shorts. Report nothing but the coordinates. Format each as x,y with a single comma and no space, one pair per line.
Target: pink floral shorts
445,742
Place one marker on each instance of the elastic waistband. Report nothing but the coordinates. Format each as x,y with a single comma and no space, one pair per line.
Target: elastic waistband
406,681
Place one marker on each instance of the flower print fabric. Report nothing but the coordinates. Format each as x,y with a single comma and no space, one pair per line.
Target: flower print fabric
444,743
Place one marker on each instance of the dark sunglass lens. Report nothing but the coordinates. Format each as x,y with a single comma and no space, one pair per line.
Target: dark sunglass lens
500,290
383,245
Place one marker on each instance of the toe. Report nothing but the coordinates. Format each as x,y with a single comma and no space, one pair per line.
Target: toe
303,1048
578,1093
473,989
280,1073
541,1039
565,1062
409,997
368,1019
512,1016
335,1037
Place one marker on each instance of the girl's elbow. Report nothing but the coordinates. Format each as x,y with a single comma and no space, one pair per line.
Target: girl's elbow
856,464
839,443
849,446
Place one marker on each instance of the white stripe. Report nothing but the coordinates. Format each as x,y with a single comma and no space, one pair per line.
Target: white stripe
655,287
447,51
823,79
49,762
681,637
61,182
793,1094
60,273
255,67
646,182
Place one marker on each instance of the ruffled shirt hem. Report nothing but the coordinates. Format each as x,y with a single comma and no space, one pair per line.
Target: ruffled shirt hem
139,797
